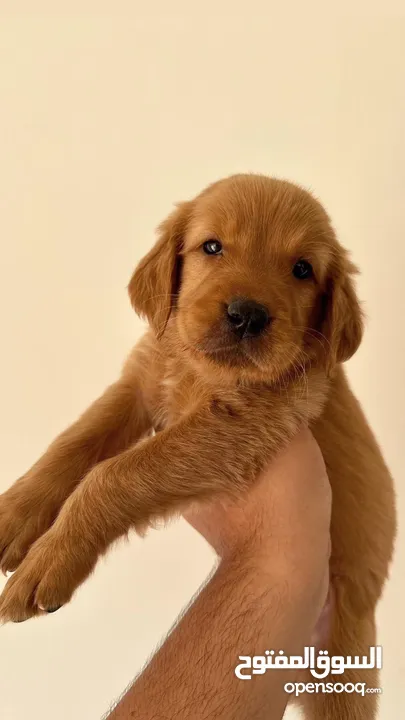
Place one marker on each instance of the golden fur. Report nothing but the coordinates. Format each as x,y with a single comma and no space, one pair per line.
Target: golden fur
221,409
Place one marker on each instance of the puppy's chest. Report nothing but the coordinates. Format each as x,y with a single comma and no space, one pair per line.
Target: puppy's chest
180,393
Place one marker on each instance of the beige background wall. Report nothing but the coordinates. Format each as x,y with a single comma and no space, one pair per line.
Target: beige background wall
107,116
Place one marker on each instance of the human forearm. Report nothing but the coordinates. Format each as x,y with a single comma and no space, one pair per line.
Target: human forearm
267,593
246,607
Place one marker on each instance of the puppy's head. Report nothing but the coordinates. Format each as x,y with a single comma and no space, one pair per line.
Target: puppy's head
249,276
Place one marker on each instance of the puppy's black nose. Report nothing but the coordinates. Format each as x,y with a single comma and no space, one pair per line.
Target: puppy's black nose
247,317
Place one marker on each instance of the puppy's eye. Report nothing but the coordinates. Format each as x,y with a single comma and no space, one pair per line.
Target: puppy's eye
212,247
302,270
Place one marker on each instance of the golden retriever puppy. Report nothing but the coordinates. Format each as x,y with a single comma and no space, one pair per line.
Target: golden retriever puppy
252,311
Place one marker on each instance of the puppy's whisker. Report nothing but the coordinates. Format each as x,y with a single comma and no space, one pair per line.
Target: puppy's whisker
253,360
154,297
311,331
215,351
314,333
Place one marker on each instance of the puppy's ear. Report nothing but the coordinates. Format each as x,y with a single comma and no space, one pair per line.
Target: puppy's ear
342,322
155,282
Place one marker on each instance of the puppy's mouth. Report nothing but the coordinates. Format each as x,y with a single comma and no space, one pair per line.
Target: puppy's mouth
224,349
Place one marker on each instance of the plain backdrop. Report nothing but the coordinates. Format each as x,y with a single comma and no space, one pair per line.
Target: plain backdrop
109,113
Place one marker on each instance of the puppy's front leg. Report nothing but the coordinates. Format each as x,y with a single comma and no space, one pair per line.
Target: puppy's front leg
29,507
217,451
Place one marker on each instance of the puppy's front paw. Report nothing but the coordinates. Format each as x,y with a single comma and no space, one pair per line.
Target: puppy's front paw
45,580
24,517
